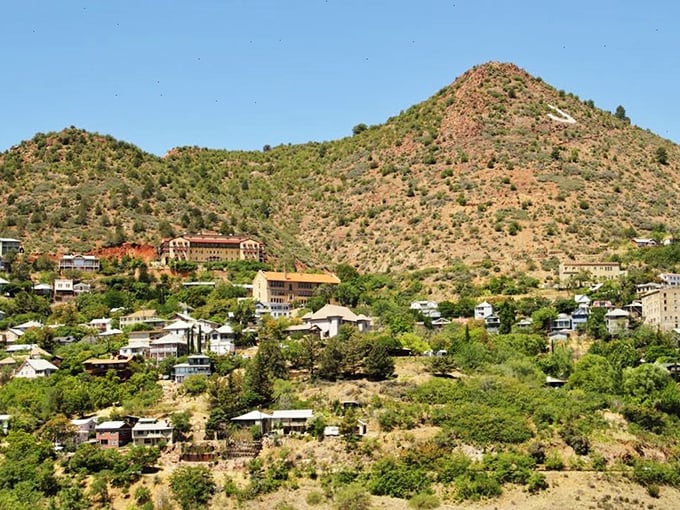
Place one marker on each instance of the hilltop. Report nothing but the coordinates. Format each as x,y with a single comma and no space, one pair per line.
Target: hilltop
491,169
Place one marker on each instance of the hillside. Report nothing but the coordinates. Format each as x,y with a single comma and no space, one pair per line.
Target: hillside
487,169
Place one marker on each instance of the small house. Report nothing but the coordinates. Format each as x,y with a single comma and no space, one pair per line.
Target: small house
151,432
32,368
100,367
483,310
113,434
254,418
617,321
197,364
85,429
291,420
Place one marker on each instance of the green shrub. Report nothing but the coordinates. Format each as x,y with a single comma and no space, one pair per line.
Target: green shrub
536,483
392,477
352,497
314,498
424,501
476,485
554,462
653,490
510,467
452,466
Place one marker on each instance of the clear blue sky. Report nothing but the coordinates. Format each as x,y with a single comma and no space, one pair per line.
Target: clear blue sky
239,74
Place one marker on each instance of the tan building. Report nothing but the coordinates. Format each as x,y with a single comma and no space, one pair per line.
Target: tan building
274,288
596,270
661,308
211,248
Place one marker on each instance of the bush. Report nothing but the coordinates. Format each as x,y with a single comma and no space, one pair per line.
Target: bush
314,498
477,485
536,483
653,490
392,477
353,497
424,501
554,462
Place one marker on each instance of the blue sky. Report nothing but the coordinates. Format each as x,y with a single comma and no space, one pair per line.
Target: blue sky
239,74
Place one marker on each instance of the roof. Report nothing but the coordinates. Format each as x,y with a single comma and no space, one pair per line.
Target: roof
300,277
3,281
215,239
178,326
108,361
484,303
292,414
40,365
170,338
111,332
42,286
141,313
151,424
9,360
343,312
82,421
252,416
29,324
109,425
617,313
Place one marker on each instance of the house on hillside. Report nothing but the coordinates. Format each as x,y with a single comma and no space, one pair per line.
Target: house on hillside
644,242
222,340
670,279
4,422
196,364
151,432
492,323
330,317
166,346
563,321
282,290
483,310
100,367
211,248
426,308
254,418
85,263
32,368
113,434
85,429
617,321
63,289
138,317
287,421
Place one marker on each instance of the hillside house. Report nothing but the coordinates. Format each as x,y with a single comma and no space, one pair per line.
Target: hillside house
330,317
137,349
138,317
670,279
166,346
33,368
254,418
563,321
101,325
4,422
594,271
101,367
63,289
151,432
113,434
85,429
222,340
211,248
426,308
287,421
580,316
281,291
492,323
196,364
483,310
85,263
9,245
617,321
644,242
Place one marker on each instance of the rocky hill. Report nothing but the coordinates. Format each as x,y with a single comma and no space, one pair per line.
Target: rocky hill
498,168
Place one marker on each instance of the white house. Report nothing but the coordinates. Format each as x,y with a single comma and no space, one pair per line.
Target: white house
331,317
84,429
426,308
221,340
32,368
483,310
150,432
617,321
670,279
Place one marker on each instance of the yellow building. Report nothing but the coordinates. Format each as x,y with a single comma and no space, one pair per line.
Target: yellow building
596,270
661,308
211,248
273,288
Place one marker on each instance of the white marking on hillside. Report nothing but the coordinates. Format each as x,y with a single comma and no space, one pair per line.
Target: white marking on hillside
564,117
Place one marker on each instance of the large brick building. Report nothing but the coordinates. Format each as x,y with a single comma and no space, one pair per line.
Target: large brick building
211,248
661,308
279,291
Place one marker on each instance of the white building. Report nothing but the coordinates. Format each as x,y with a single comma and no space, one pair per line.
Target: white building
483,310
33,368
426,308
329,319
151,432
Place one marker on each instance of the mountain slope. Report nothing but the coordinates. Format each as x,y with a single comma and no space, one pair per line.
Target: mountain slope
479,172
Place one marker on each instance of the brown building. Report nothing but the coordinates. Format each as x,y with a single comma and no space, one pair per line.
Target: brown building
597,271
211,248
100,367
113,434
275,289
